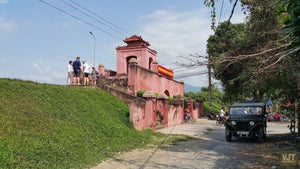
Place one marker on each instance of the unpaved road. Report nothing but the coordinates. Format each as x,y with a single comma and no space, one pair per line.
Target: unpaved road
208,149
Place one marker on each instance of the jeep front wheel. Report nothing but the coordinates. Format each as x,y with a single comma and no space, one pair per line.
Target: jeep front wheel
228,134
260,135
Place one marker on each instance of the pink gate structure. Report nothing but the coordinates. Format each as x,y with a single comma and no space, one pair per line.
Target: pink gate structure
138,70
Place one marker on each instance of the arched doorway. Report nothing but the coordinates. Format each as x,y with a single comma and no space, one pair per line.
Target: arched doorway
150,62
167,93
127,61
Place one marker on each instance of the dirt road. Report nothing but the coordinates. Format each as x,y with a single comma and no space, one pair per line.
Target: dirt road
208,149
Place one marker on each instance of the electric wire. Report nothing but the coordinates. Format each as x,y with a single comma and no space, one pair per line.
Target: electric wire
111,27
166,58
102,18
221,11
191,74
182,69
75,17
162,52
162,57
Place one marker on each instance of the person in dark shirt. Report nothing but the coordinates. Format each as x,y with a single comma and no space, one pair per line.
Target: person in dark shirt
77,70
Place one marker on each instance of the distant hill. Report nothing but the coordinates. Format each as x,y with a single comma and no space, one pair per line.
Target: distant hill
190,88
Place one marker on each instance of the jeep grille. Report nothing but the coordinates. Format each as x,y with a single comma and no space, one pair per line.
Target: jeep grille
242,126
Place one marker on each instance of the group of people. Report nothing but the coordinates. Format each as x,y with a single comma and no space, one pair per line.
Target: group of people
274,118
221,116
74,71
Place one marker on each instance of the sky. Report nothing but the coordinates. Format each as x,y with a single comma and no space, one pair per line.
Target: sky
39,37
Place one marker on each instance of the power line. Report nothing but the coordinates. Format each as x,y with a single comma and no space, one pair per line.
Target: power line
181,64
166,58
110,34
120,30
91,17
191,74
221,10
181,69
88,23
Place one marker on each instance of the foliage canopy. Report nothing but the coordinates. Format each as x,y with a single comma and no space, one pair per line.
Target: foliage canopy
255,60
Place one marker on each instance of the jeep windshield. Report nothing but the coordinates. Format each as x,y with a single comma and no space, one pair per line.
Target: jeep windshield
245,110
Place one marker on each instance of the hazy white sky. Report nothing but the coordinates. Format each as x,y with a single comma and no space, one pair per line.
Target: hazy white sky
37,40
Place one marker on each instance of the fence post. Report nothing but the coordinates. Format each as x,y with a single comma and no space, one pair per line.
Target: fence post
150,109
163,100
132,76
190,106
181,100
101,70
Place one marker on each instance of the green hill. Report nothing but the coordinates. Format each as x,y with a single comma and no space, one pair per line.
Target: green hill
51,126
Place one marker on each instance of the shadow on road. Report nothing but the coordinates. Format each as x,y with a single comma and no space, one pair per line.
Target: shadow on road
212,151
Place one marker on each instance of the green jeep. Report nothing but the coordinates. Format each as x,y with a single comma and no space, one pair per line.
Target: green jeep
247,119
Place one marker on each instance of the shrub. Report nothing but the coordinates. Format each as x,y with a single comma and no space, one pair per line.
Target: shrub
140,93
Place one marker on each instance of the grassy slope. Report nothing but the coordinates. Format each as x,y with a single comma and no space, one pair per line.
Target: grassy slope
50,126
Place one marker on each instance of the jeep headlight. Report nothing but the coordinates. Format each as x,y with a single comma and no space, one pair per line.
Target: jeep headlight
251,123
233,122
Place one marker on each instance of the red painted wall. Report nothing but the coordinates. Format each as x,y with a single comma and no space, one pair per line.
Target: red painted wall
140,78
175,115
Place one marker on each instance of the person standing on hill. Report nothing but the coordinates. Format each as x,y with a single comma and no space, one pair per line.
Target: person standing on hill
70,73
77,71
86,72
94,76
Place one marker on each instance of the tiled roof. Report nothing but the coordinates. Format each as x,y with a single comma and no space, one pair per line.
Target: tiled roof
135,39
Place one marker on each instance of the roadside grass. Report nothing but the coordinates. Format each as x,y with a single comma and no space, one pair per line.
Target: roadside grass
51,126
168,139
209,129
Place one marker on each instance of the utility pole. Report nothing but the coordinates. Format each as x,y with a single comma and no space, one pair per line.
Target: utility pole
94,47
209,83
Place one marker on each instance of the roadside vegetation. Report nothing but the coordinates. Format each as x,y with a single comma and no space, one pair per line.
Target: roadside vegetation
258,59
218,100
51,126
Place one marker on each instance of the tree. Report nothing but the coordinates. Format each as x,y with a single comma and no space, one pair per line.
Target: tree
254,59
218,46
203,95
292,27
271,48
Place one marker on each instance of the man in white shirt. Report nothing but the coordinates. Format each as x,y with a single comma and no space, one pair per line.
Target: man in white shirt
70,73
223,114
86,72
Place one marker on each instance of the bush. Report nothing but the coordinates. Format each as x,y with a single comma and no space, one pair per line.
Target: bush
140,93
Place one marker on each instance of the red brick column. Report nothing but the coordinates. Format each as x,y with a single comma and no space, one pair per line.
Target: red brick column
101,70
180,98
190,106
150,110
132,76
162,99
154,66
201,107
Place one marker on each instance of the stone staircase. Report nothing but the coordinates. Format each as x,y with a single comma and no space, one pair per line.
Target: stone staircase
117,86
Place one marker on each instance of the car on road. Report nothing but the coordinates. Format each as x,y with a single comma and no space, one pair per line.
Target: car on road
246,119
